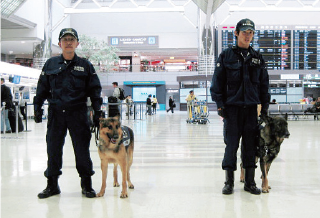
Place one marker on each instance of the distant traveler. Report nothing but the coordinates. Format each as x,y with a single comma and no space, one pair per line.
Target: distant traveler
6,97
171,105
154,102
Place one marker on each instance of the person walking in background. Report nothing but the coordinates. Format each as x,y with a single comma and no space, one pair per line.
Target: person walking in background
171,105
116,91
66,81
22,106
149,112
191,97
129,103
6,98
116,100
154,102
240,82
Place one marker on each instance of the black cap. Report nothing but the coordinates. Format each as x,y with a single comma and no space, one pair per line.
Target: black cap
245,24
70,31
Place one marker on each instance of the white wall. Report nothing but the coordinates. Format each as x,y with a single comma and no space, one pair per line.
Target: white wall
173,29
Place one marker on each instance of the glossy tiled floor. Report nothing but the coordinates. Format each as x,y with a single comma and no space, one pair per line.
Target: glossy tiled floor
176,172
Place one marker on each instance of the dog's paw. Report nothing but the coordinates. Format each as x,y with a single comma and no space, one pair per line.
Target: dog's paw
131,186
242,180
100,194
116,184
265,190
123,195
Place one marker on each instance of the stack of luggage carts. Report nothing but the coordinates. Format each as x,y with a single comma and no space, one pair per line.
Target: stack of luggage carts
198,112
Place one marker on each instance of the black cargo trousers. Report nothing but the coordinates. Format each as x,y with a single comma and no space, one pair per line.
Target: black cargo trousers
240,122
76,121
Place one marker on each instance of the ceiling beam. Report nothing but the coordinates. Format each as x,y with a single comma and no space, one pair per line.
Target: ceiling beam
274,9
123,10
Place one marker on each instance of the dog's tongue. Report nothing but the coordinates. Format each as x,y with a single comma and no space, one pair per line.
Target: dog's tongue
113,141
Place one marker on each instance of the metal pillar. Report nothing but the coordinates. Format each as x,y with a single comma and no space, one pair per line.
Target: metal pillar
42,51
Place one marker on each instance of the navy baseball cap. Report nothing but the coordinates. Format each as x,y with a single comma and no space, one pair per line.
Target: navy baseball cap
70,31
245,24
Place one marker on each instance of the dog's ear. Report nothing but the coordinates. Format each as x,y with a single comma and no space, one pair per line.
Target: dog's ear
117,118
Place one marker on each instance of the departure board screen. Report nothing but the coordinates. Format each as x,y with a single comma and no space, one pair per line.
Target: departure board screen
274,45
306,49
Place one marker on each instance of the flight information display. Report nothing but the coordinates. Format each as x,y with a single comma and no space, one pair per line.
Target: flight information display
306,49
274,45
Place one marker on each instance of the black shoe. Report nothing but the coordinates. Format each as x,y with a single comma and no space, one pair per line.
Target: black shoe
249,184
227,189
49,191
86,185
229,183
89,194
8,131
252,189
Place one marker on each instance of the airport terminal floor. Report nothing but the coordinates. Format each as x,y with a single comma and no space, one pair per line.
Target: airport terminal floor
176,172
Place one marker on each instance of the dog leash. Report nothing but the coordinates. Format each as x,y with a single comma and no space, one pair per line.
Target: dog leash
96,135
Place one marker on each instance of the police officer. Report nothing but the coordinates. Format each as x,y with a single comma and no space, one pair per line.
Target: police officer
66,81
240,82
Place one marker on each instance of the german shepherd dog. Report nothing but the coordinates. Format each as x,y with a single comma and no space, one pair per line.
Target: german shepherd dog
270,139
116,144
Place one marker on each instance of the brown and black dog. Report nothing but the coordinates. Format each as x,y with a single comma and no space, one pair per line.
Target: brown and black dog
270,139
116,145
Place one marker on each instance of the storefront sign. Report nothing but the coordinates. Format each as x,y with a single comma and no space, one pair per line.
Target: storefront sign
134,41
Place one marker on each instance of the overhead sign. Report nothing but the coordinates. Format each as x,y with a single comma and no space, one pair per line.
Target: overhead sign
139,83
134,41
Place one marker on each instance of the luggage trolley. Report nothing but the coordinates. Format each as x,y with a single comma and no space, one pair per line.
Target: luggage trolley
197,112
202,113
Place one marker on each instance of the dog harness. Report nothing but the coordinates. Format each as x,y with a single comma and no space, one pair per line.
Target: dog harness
125,136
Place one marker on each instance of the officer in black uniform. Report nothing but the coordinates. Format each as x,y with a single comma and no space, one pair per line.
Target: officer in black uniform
66,81
240,82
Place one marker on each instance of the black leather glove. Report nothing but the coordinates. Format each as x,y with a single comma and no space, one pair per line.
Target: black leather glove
96,117
221,112
38,116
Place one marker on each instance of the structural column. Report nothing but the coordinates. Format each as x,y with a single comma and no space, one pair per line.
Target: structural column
42,51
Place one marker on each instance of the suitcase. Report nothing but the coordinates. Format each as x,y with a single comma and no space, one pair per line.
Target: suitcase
12,120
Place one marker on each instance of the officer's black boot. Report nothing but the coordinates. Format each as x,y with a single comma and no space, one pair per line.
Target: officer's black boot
249,184
229,183
86,185
51,189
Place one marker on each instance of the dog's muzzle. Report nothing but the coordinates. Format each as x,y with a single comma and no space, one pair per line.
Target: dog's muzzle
113,139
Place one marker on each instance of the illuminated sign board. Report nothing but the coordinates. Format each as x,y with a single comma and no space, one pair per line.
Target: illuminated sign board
134,41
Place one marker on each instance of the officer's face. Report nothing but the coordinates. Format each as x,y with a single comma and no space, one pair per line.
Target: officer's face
68,43
244,38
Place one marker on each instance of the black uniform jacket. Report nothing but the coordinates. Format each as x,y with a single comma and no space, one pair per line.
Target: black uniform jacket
240,81
67,85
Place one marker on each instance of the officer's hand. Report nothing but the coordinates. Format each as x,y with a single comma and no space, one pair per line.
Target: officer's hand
38,116
263,115
221,112
97,115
